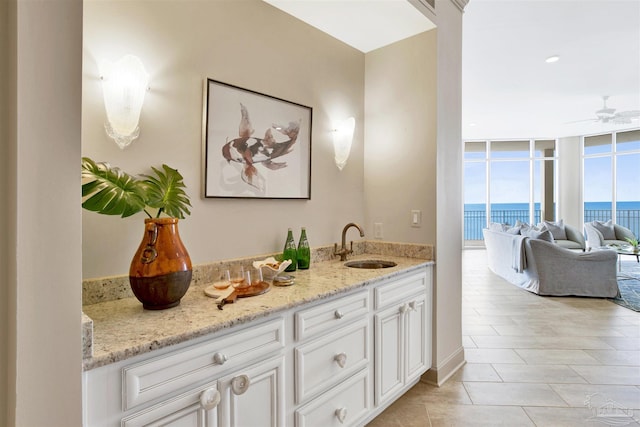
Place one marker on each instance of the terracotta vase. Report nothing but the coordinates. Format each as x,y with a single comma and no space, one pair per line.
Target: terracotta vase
160,271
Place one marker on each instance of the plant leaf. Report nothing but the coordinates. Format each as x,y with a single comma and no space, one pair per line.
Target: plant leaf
165,192
110,191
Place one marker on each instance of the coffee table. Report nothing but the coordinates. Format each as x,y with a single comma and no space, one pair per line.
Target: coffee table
622,250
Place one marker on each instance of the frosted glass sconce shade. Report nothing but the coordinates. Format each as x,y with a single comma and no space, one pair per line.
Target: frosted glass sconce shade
124,84
342,139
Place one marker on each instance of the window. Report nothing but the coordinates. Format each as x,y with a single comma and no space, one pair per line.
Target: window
610,184
507,181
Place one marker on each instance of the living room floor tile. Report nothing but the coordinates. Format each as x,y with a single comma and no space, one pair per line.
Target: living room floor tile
519,331
587,331
538,374
577,394
556,357
477,372
616,357
536,342
573,417
478,330
624,375
513,394
474,415
490,355
622,343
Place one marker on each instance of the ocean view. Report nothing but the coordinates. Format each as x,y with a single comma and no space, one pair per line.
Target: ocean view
627,215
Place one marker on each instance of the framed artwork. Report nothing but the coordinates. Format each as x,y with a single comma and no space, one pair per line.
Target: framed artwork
255,145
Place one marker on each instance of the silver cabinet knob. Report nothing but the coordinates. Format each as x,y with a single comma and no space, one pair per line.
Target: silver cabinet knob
404,308
338,314
341,359
240,384
219,358
209,398
341,414
412,306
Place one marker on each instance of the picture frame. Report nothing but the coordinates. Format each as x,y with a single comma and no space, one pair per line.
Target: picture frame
255,145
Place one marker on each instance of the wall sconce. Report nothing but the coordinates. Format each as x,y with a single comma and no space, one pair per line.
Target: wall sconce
342,139
124,84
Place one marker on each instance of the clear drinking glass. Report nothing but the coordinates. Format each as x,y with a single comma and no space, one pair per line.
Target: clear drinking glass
237,277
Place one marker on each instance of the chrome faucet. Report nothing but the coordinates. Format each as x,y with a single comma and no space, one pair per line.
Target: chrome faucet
343,252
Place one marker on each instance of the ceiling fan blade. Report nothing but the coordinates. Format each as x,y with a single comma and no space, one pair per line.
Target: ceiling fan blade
621,120
581,121
630,113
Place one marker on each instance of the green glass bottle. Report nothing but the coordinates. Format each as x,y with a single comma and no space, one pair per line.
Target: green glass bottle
290,252
304,253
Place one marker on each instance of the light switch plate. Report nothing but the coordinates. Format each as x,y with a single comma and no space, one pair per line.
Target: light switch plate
416,218
377,230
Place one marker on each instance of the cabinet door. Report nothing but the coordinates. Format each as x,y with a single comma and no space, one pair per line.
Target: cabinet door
197,408
254,397
389,342
418,357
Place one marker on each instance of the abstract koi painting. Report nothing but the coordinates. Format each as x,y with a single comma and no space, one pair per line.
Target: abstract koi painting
255,145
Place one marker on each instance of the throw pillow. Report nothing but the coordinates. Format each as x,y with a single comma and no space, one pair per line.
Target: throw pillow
556,228
513,230
522,225
606,229
496,226
538,234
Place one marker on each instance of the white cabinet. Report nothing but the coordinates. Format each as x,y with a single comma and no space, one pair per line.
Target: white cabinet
254,396
402,343
338,362
332,361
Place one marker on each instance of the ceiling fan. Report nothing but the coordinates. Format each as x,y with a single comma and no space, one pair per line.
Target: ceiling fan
609,115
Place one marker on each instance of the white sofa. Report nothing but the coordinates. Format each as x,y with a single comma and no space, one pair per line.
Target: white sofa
545,268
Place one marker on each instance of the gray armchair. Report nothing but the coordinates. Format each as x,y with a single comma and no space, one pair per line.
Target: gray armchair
564,235
596,237
575,239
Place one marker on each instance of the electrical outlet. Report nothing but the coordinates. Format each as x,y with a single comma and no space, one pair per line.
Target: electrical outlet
377,230
416,218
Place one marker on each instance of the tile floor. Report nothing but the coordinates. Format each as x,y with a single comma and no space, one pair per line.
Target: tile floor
531,361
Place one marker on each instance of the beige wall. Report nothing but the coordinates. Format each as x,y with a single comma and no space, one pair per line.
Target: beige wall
43,243
249,44
5,176
400,135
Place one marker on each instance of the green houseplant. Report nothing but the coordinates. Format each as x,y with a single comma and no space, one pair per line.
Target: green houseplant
111,191
160,272
633,242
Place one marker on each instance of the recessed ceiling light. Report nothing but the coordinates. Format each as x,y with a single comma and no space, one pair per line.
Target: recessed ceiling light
551,59
472,124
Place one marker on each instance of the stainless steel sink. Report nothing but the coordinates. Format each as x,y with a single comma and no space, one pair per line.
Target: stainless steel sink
370,263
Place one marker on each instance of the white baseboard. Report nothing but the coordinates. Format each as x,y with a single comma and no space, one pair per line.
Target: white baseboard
438,375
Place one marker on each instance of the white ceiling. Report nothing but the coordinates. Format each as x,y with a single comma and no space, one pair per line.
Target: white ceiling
363,24
509,91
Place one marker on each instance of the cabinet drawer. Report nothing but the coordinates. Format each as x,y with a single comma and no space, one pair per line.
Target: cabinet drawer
185,409
341,406
324,362
160,376
400,289
331,315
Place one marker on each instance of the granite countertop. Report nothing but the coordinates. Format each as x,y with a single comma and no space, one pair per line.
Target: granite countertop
123,329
